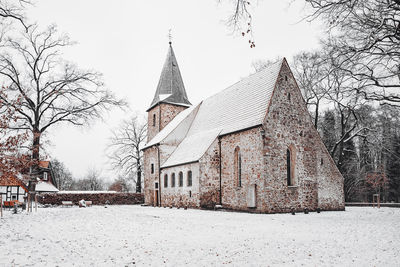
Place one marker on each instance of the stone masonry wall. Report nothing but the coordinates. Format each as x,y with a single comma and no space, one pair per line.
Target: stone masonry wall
150,179
249,144
289,125
209,177
167,111
185,196
96,198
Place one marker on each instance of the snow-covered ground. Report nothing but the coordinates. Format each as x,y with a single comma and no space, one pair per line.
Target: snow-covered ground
129,235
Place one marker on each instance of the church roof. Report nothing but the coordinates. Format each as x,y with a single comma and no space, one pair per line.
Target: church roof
241,106
170,88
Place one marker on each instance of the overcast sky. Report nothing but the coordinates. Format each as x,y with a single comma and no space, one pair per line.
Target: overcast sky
127,41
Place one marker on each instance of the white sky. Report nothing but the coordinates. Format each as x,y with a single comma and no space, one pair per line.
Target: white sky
127,41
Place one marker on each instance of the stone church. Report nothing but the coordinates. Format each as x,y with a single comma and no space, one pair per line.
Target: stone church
251,147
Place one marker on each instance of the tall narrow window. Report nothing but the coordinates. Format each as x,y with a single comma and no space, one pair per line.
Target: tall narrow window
238,167
154,119
152,168
173,179
180,179
290,167
189,178
45,176
166,180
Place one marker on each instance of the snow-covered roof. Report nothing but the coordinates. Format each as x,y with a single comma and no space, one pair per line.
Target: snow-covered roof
191,148
171,126
238,107
42,186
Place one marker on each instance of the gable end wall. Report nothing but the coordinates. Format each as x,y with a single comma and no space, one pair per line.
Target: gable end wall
289,125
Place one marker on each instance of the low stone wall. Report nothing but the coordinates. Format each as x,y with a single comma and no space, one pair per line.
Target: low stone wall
96,198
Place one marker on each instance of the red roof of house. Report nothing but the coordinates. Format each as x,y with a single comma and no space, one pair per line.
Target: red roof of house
44,164
9,180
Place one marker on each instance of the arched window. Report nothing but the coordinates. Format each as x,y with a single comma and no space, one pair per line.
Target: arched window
173,179
152,168
166,180
238,167
154,119
290,166
189,178
180,179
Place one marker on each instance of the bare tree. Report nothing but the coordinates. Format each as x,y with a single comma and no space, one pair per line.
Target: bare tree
62,175
92,181
125,148
241,19
15,10
312,75
365,39
50,90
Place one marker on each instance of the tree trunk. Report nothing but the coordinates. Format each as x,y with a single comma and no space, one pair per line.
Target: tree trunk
36,145
35,156
316,114
138,178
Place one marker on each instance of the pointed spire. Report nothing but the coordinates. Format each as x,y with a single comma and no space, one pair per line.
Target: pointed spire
170,88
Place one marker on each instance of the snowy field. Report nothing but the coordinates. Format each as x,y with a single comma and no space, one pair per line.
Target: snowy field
147,236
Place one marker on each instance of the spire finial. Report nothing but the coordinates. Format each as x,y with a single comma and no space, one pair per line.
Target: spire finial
170,36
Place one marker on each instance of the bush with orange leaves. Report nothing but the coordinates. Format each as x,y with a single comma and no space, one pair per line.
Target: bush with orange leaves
377,180
13,160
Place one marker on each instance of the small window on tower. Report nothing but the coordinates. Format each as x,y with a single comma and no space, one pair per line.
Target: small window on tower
45,176
152,168
154,119
288,96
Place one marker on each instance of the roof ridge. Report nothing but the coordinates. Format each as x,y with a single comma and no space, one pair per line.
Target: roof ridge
248,77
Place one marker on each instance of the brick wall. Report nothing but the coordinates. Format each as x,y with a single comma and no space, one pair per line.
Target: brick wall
96,198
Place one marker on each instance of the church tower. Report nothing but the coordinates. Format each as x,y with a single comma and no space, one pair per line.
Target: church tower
170,97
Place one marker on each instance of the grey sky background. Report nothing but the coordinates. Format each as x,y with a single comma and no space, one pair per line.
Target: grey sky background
127,41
